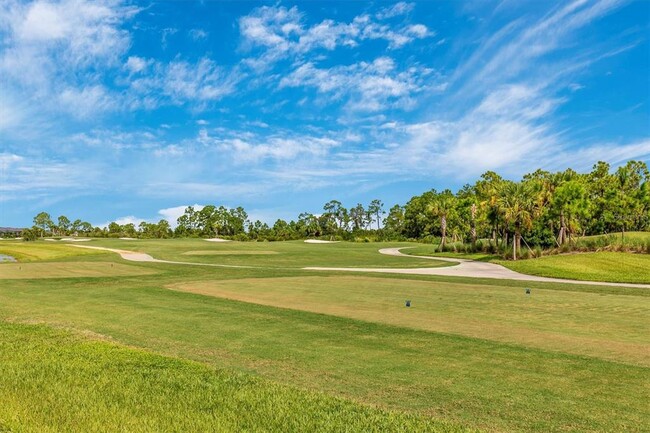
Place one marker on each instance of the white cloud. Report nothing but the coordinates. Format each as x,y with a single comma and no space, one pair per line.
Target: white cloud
79,32
256,149
135,64
510,53
43,22
400,8
20,173
198,34
281,33
517,101
128,220
11,112
369,86
52,51
170,151
172,214
180,82
115,140
419,31
8,159
88,101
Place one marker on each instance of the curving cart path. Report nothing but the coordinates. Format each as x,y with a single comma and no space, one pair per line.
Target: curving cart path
463,268
142,257
469,268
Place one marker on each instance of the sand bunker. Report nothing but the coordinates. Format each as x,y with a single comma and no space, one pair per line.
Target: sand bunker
76,239
318,241
128,239
217,240
49,240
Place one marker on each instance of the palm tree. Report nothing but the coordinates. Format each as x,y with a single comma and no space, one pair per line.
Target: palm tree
517,203
441,207
488,190
473,225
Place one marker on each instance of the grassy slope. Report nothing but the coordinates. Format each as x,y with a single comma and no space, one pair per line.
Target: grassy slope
579,323
52,381
602,266
491,385
618,238
615,267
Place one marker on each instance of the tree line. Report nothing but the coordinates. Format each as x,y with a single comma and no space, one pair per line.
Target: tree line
543,209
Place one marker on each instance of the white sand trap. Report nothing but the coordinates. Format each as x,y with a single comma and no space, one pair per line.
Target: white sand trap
318,241
217,240
128,239
76,239
49,240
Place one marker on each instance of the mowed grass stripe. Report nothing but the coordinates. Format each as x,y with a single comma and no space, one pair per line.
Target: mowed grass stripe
603,266
293,254
606,326
494,386
39,270
52,381
43,251
229,253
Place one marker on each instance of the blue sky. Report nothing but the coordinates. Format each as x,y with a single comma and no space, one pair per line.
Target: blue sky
131,111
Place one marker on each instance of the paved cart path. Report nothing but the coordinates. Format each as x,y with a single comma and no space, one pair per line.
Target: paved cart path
142,257
469,268
463,268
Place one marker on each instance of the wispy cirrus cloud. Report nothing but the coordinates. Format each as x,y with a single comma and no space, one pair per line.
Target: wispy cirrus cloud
20,174
368,86
514,51
280,32
179,82
396,10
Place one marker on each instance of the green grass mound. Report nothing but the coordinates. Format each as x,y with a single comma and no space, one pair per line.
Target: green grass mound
52,381
621,237
604,266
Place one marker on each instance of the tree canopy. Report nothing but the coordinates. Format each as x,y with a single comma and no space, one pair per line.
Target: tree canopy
543,209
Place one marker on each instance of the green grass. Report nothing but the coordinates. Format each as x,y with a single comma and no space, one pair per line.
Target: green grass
52,381
309,340
617,238
95,269
614,267
578,323
294,254
43,251
604,266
